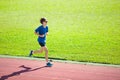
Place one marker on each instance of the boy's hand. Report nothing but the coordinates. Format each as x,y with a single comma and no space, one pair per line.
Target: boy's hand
47,33
41,35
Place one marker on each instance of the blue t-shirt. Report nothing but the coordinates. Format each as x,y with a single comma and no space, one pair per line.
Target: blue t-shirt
42,31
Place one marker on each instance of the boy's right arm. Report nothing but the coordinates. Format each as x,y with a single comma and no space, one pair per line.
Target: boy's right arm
39,34
36,32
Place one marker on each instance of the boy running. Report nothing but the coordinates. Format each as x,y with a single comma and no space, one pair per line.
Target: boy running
41,32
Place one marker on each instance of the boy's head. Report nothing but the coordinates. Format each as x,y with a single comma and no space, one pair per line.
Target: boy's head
43,21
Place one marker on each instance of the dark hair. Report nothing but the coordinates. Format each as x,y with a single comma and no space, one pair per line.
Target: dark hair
43,20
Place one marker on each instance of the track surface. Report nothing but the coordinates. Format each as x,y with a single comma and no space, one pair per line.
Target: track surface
22,69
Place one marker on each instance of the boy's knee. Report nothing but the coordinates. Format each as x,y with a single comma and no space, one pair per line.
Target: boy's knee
46,50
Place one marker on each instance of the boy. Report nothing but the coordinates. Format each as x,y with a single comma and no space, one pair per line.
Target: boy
41,32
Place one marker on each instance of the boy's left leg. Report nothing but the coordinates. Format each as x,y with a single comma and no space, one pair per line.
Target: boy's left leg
46,57
46,53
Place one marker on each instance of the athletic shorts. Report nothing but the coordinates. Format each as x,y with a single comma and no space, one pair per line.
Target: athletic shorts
42,44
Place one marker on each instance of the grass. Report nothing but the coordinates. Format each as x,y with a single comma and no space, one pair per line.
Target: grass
80,30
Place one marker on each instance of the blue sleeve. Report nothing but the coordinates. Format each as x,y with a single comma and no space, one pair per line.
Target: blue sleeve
47,29
36,30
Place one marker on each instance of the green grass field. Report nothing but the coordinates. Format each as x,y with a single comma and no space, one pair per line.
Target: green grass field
80,30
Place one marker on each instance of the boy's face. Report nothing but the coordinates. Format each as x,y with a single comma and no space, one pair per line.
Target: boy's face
44,23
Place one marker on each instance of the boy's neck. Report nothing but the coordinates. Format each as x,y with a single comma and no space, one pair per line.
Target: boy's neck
44,25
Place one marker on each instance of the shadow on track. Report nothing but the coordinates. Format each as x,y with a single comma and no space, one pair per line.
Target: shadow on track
25,69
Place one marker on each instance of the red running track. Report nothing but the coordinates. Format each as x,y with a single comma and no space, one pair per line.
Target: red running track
22,69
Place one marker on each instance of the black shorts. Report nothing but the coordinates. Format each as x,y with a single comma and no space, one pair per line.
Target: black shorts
42,44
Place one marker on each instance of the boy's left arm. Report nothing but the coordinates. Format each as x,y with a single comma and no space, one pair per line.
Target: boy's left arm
47,31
